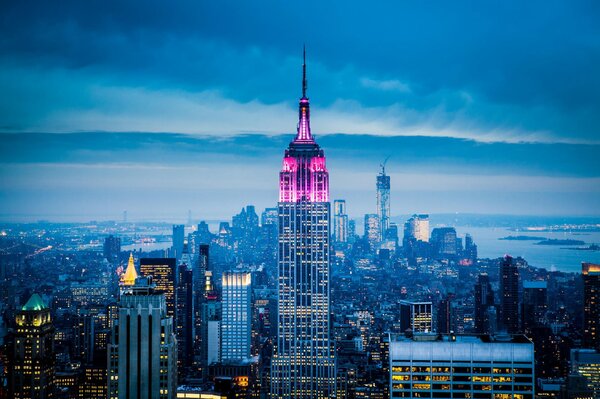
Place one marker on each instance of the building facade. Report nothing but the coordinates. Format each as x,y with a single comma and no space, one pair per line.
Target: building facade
461,366
509,291
416,316
31,371
591,305
340,221
303,363
236,319
383,202
164,277
142,354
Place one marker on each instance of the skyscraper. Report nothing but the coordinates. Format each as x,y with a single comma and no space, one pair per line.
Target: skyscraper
31,372
185,327
142,354
236,320
416,316
509,290
210,327
178,239
591,305
164,277
443,240
112,248
340,221
372,230
303,364
484,298
199,280
535,304
383,202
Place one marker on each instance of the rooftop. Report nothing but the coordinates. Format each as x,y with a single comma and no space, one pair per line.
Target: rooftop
34,303
461,338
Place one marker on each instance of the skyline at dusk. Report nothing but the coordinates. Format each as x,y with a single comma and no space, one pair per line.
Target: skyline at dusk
269,200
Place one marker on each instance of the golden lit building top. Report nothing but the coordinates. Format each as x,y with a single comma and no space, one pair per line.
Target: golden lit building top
128,278
590,268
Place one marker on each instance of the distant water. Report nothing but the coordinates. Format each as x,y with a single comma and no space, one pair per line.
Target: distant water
547,256
489,246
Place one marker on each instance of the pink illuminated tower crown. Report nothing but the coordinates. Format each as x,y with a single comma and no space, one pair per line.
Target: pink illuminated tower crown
304,176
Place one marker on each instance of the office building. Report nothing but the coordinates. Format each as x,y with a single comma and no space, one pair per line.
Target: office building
445,315
185,323
178,240
484,299
372,230
417,227
443,240
416,316
383,202
142,354
164,277
461,366
210,326
112,248
303,363
509,291
340,221
236,320
32,358
586,363
535,304
591,305
470,251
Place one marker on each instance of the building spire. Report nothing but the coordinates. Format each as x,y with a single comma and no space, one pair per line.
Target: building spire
304,72
304,135
130,273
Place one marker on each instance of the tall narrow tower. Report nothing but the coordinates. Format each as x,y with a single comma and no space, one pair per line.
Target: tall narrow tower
383,202
303,365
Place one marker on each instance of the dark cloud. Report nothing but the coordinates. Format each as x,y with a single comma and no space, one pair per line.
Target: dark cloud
502,65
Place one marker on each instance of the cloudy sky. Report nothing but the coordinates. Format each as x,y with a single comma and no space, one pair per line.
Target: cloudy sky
164,107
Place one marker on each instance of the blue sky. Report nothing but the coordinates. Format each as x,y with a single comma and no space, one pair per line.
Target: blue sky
484,107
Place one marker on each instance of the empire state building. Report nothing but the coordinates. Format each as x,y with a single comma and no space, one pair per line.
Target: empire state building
303,365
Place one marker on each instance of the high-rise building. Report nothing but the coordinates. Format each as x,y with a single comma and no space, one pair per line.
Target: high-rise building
535,304
383,202
586,363
164,277
199,280
142,354
372,230
470,249
178,239
210,327
236,319
443,240
185,323
351,231
484,299
444,315
416,316
509,291
591,305
340,221
31,366
203,233
303,363
417,227
112,248
461,366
